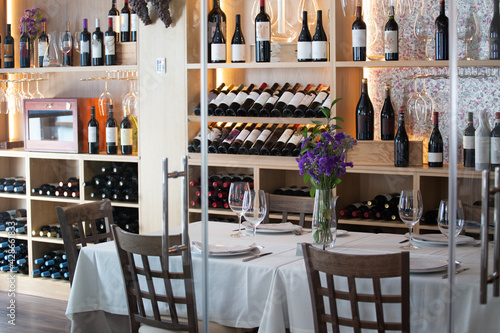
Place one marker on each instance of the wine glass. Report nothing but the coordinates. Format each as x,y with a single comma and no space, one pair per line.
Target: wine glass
412,101
105,100
256,211
65,42
282,31
467,25
311,7
424,27
238,202
424,106
410,211
443,218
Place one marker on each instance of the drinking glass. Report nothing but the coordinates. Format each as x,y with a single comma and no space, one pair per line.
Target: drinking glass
424,27
443,218
256,211
412,101
467,24
65,42
105,100
311,7
238,202
410,211
424,106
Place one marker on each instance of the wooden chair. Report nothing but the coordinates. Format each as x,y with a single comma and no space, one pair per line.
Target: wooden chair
84,219
375,267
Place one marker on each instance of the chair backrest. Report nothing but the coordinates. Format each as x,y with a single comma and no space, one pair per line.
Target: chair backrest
79,228
136,254
285,204
320,263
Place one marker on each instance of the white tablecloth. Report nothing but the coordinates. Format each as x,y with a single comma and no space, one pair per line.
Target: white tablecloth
272,292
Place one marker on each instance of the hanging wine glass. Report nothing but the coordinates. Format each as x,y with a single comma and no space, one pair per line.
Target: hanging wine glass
105,100
282,31
311,7
130,110
467,25
3,99
424,106
349,7
37,93
424,27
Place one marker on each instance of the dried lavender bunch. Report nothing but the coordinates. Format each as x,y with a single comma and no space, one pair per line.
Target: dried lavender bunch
141,8
161,6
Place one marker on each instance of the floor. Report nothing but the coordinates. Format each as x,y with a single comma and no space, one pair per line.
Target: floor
33,314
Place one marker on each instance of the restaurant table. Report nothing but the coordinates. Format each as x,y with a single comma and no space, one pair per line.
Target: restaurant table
272,292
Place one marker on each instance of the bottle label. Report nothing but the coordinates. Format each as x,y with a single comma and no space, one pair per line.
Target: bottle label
304,50
286,135
469,142
92,134
286,97
359,38
254,135
264,135
214,134
109,45
297,98
321,97
307,100
243,135
319,49
229,98
42,47
482,149
237,52
218,52
272,100
231,136
85,46
253,95
111,134
124,18
218,99
8,52
391,41
262,32
327,102
240,98
126,136
133,22
116,23
96,48
495,150
296,137
263,98
23,53
435,157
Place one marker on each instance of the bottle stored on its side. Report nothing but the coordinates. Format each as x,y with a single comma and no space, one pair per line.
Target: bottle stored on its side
110,44
85,59
494,37
240,98
265,111
350,209
133,25
304,42
387,117
261,140
220,110
212,17
358,37
382,199
271,141
126,134
43,45
319,41
235,131
218,45
238,43
292,142
495,143
114,15
401,144
309,98
262,35
282,140
242,136
298,147
8,49
312,109
255,107
468,143
212,94
441,33
97,45
326,104
435,156
125,22
391,39
285,98
250,140
219,99
213,147
482,142
364,114
243,109
67,46
93,132
295,101
24,49
111,133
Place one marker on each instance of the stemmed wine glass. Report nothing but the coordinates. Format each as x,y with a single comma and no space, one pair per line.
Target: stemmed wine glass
467,25
424,27
410,211
311,7
105,100
412,101
444,215
424,106
238,202
256,211
65,42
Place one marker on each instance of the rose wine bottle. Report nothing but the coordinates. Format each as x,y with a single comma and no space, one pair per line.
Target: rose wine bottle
482,142
218,45
111,133
125,22
110,44
85,59
401,144
441,33
435,153
43,44
97,45
494,40
114,15
304,42
364,114
391,37
319,41
8,49
93,132
212,17
387,117
262,35
358,37
24,49
495,143
238,43
468,143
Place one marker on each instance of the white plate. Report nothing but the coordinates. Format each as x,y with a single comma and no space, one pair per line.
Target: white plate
273,228
224,250
440,239
268,231
427,265
341,232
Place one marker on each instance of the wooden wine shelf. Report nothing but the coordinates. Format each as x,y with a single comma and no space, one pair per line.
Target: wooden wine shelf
266,120
261,65
4,234
69,69
415,63
50,240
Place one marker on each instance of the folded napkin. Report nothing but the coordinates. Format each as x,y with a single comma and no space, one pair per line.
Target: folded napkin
222,249
287,226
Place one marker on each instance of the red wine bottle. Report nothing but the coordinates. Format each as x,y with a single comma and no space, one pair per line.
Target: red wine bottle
250,140
435,156
212,148
114,15
401,144
97,45
230,97
468,143
326,104
271,141
304,42
495,143
298,148
265,111
262,35
282,140
285,98
212,94
312,109
263,137
133,25
222,148
24,49
242,136
110,45
111,133
494,37
364,114
85,59
262,98
67,47
319,41
212,18
382,199
300,110
387,117
441,33
93,132
219,99
125,22
347,211
43,44
292,142
126,134
238,43
8,49
218,44
238,100
358,37
242,110
295,101
391,37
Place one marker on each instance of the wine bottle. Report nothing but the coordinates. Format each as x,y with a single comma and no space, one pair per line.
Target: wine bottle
126,134
494,40
401,144
482,142
216,101
391,37
218,45
435,155
292,142
97,45
298,148
441,33
265,111
133,25
24,49
262,35
220,110
111,133
85,59
238,43
125,22
212,17
114,15
283,139
300,110
283,101
110,45
358,37
242,136
468,143
271,141
361,211
242,110
295,101
364,114
43,45
250,140
236,102
212,94
194,145
326,104
382,199
319,42
212,148
312,109
67,47
8,49
222,148
350,209
495,143
387,117
261,140
304,42
259,102
93,132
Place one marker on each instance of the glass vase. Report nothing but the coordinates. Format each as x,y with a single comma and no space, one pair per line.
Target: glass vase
324,224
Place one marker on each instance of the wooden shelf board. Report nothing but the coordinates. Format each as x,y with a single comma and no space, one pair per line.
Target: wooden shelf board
231,160
12,195
72,69
373,223
54,199
39,286
50,240
266,120
119,203
415,63
4,234
262,65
